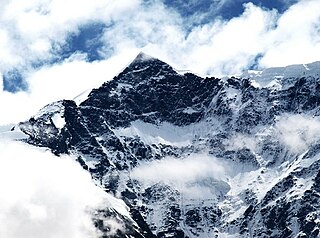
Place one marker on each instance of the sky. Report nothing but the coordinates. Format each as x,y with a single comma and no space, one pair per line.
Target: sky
49,52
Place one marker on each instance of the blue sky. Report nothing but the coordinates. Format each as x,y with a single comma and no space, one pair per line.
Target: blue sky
49,53
225,9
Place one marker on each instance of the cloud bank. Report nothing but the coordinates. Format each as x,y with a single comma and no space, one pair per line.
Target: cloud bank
36,34
43,195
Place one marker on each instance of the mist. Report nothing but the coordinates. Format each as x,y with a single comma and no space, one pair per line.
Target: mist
43,195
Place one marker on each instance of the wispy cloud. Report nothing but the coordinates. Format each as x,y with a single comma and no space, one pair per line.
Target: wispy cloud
197,176
43,195
298,132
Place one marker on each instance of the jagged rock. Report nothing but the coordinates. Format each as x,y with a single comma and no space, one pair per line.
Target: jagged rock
150,114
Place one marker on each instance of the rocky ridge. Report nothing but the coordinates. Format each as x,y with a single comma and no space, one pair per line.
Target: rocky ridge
197,157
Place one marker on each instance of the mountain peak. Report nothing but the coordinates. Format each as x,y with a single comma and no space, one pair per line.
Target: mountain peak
145,66
134,132
142,57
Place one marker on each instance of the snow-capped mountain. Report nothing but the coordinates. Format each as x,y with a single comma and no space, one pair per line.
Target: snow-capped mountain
197,157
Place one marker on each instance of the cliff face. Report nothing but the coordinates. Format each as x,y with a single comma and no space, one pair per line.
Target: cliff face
195,157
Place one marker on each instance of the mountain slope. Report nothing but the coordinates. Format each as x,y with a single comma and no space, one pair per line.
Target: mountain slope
198,157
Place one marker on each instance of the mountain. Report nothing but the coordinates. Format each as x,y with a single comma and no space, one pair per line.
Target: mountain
197,157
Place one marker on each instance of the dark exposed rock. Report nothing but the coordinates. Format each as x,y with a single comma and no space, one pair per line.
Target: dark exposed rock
152,92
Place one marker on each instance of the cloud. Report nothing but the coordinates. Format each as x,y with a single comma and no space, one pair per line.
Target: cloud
198,175
240,141
230,47
296,39
43,195
35,30
219,47
298,132
222,46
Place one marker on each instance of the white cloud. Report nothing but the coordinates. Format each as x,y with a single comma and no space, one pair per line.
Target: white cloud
15,107
298,132
241,141
229,47
198,175
43,195
36,27
67,79
173,170
296,39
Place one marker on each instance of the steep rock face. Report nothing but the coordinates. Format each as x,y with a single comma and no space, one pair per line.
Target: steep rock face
195,157
151,91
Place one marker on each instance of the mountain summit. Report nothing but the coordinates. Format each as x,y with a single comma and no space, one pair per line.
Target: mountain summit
196,157
142,57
